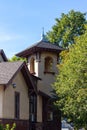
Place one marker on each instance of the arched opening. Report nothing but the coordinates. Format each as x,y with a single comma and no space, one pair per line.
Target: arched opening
32,66
48,64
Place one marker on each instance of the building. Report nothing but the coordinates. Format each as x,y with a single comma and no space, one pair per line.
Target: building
42,59
15,85
26,96
66,126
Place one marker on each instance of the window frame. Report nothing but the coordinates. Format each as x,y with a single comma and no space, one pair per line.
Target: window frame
32,65
50,116
48,65
17,105
33,108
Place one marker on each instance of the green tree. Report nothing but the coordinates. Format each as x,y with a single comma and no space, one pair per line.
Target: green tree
15,58
67,27
71,83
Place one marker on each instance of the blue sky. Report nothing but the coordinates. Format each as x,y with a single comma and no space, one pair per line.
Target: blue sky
21,21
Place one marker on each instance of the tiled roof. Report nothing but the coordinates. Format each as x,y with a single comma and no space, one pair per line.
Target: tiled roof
8,70
46,44
46,90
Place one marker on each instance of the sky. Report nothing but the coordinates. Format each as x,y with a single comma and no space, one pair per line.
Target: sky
21,21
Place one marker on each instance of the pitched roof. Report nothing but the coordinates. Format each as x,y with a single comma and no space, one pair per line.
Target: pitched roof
46,91
3,55
8,70
40,46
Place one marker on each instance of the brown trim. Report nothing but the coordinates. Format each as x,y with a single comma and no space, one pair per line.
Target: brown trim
27,76
37,78
32,73
20,124
36,49
3,55
43,94
33,107
17,105
10,81
14,119
26,125
46,72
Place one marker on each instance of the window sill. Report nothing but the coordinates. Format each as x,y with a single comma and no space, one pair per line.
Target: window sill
33,73
48,72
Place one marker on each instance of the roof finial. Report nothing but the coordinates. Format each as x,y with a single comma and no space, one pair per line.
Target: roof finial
42,35
43,31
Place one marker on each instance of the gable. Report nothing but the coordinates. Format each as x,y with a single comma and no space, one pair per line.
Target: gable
9,97
3,57
9,70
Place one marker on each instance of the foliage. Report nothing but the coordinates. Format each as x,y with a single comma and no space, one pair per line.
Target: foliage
15,58
7,127
67,28
71,83
1,127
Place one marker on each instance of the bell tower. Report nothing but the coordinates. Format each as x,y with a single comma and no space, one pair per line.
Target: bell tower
42,59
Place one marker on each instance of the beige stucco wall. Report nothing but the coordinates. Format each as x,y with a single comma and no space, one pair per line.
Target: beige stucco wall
47,78
39,108
1,59
39,63
9,98
1,101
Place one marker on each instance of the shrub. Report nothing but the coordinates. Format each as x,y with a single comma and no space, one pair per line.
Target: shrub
7,127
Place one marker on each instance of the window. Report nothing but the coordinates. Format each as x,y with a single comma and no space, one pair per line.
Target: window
32,66
48,64
33,107
50,116
17,104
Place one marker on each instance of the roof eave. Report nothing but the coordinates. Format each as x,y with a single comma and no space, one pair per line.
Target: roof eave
30,51
43,94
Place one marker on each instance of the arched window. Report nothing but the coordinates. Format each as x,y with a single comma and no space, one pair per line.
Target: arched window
32,65
48,64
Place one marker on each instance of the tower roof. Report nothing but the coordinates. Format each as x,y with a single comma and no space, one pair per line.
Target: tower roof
42,45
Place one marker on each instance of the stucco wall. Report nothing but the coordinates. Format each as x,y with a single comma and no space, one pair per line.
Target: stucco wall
9,98
1,101
39,63
39,108
42,63
47,78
